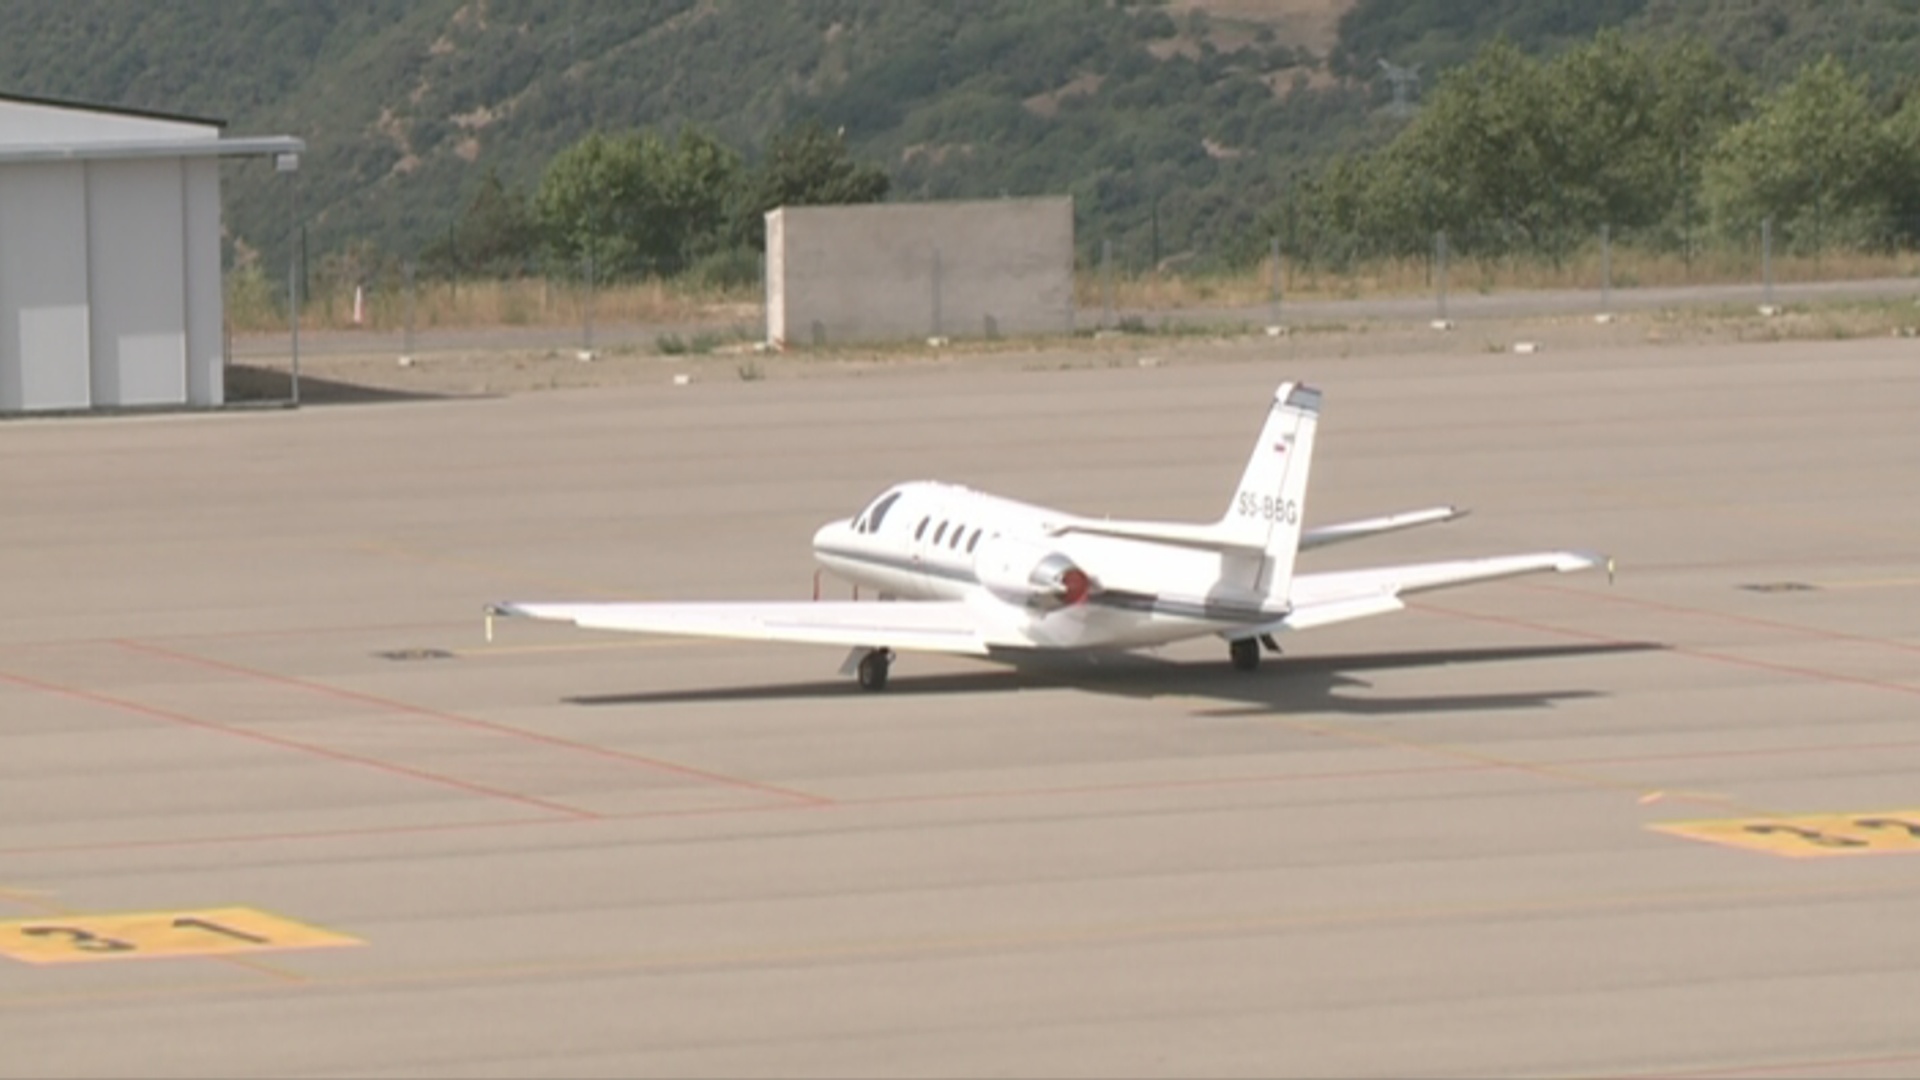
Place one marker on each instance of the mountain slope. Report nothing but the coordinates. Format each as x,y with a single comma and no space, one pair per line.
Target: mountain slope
1174,125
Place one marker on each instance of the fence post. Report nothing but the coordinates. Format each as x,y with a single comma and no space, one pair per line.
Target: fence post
1766,261
406,349
935,332
1106,283
1819,220
1606,269
1440,271
586,315
1273,281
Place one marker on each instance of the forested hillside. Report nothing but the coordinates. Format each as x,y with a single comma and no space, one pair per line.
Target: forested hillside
1185,130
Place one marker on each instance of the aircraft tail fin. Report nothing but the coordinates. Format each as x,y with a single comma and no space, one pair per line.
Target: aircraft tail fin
1267,508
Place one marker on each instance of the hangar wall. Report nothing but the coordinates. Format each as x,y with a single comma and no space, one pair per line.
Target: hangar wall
43,288
110,280
891,271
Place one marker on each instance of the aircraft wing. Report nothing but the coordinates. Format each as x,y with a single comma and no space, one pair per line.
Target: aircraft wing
931,626
1338,596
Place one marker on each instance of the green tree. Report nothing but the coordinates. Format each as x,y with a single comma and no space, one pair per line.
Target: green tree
697,182
1814,158
594,199
635,203
806,166
1488,148
1903,166
1634,117
1510,151
495,235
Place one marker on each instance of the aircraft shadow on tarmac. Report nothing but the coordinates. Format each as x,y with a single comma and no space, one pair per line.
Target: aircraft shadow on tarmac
1298,684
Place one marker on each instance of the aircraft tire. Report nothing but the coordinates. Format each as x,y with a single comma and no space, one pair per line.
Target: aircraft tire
1245,653
873,669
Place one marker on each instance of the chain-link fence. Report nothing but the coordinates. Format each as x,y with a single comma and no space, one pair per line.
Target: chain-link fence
355,301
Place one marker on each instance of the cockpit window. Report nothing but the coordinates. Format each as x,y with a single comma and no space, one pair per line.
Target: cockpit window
880,509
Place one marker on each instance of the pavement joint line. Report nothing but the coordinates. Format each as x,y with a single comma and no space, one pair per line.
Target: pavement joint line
239,635
1687,650
880,801
583,646
1645,792
1725,616
1465,764
492,569
1870,583
197,723
1770,518
1792,1067
1550,771
1115,933
281,837
391,705
1700,654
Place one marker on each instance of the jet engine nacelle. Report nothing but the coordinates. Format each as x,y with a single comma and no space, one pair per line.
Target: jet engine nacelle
1032,575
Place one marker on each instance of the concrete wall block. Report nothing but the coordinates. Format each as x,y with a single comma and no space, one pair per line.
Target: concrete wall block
904,271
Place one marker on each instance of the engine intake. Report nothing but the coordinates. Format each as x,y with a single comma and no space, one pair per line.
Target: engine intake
1033,576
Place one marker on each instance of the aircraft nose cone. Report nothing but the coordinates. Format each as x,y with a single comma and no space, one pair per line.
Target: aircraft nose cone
829,535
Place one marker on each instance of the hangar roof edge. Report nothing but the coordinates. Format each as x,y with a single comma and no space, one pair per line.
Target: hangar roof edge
116,110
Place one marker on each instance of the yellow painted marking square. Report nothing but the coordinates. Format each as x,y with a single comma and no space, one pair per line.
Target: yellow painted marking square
68,939
1810,835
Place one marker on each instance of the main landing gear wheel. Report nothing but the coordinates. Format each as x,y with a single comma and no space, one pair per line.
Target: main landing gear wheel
873,669
1245,653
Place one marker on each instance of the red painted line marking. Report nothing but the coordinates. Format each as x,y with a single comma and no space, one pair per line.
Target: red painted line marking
816,802
388,767
390,705
1726,616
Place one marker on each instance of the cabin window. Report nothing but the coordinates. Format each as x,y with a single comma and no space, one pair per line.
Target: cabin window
973,541
922,530
957,532
879,511
938,533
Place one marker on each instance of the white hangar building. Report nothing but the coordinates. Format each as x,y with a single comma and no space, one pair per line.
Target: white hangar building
110,283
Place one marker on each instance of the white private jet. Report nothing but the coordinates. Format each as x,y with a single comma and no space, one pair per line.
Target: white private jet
982,575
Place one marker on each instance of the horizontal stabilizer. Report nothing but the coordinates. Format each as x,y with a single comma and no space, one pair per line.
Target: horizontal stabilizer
1204,537
1355,530
1213,537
